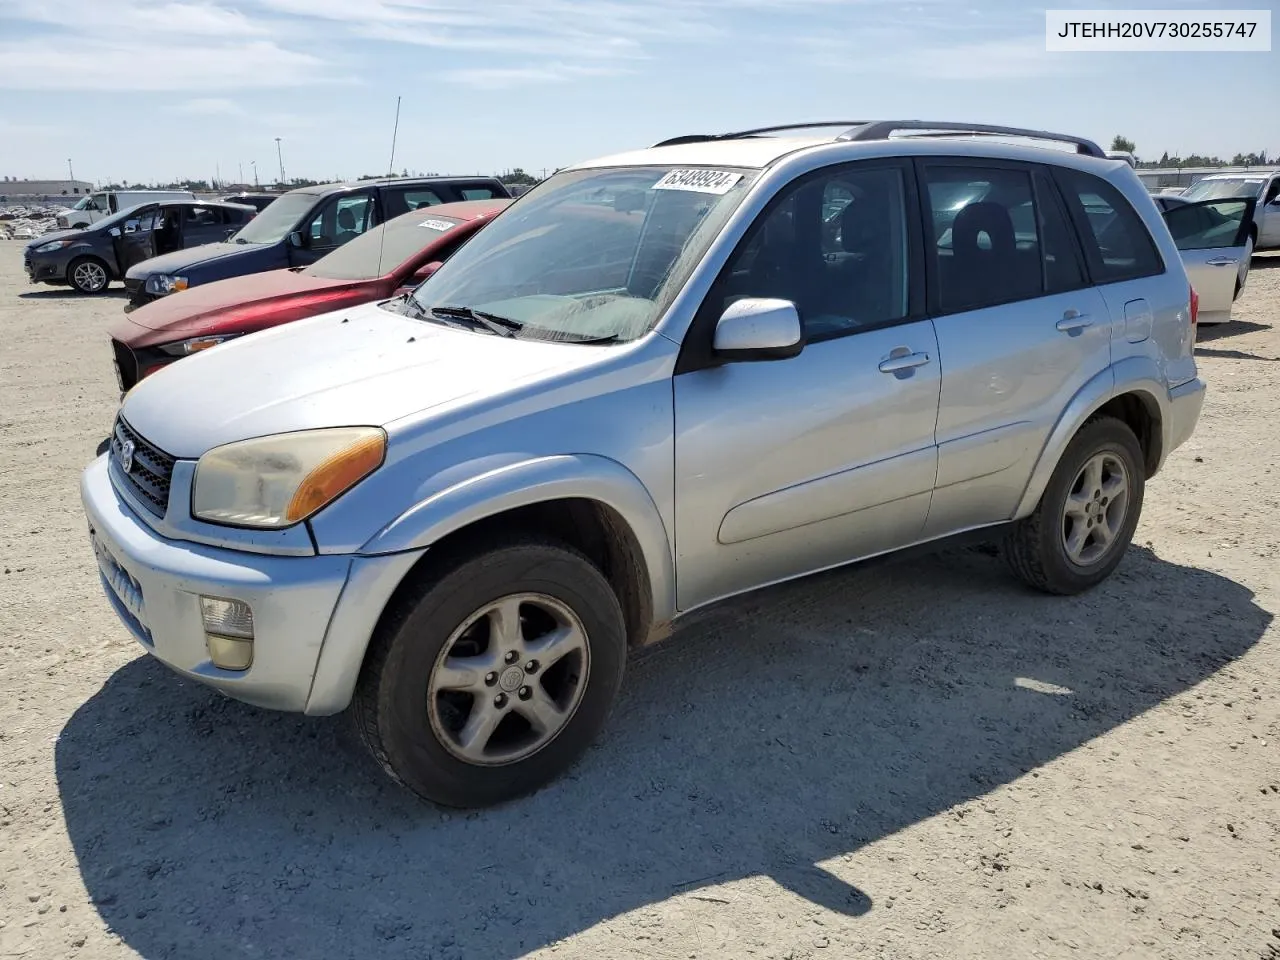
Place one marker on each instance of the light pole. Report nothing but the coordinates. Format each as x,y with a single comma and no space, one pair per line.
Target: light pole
254,164
240,165
71,174
280,157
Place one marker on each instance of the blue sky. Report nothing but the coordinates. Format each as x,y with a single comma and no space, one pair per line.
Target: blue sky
147,89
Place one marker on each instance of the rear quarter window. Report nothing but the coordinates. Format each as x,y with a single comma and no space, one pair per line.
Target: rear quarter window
1117,245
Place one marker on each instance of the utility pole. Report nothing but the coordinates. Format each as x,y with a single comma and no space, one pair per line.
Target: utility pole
70,173
280,157
240,166
254,164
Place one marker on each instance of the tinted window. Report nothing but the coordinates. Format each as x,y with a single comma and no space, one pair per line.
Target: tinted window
203,217
397,202
1116,243
986,243
835,246
1207,226
383,248
339,221
1061,262
477,193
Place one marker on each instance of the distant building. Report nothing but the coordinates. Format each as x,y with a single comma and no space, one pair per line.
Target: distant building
44,188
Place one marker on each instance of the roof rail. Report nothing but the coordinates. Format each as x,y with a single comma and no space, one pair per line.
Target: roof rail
743,134
882,129
861,130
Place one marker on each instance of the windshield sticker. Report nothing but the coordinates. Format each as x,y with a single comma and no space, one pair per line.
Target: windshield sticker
436,224
700,181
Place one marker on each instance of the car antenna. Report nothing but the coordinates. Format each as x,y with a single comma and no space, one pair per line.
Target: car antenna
391,172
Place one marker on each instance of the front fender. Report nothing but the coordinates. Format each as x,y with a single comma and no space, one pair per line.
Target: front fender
580,476
1138,375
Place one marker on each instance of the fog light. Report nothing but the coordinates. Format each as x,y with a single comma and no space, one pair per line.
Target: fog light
228,630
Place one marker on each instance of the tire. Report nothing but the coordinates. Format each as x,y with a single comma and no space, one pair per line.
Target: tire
88,275
429,679
1039,547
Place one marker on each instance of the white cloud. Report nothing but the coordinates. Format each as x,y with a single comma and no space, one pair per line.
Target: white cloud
502,78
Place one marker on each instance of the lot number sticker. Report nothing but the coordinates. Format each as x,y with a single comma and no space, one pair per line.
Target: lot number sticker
436,225
699,181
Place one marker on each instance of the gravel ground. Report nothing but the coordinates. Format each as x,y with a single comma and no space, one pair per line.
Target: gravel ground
913,759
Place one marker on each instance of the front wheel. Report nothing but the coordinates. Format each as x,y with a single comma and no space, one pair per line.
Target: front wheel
491,678
1086,517
88,275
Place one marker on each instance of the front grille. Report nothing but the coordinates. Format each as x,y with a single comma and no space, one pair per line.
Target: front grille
148,470
126,365
137,291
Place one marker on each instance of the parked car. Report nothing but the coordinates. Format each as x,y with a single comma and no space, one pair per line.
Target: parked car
373,266
299,228
259,201
88,260
1263,187
104,203
658,380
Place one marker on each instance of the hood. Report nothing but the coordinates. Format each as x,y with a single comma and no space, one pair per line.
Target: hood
181,260
55,235
362,366
187,309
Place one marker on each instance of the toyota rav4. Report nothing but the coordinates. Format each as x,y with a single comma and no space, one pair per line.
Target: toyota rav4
657,380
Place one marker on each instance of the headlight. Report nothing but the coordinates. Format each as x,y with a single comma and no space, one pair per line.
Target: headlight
52,245
280,480
162,284
184,348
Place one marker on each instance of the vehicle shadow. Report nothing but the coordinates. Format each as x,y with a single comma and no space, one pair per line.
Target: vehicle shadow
1232,328
64,293
770,735
1232,355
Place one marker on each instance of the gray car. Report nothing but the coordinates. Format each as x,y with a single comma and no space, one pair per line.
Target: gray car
88,260
658,380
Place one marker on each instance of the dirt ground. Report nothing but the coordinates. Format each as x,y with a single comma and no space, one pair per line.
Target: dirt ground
916,759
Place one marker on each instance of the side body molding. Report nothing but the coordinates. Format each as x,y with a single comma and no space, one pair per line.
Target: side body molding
1137,375
584,476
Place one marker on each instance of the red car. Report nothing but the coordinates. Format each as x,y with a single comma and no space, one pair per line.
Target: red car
380,263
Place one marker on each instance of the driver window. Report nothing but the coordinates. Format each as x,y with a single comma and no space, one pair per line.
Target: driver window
836,247
341,219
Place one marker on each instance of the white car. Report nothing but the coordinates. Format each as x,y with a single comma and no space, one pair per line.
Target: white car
104,203
1263,186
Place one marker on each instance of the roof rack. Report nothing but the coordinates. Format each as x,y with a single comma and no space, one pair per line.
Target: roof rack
863,130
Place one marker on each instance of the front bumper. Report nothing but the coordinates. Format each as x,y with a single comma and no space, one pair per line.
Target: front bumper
1185,403
43,269
313,616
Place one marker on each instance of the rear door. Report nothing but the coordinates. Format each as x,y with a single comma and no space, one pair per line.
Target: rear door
1213,238
1020,330
398,200
202,224
136,241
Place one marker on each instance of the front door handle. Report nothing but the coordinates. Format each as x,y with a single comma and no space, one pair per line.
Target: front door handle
1222,262
905,361
1072,321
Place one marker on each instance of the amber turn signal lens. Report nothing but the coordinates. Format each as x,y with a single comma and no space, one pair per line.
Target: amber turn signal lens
335,476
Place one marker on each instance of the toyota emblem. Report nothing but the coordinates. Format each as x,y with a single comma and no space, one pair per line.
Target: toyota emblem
126,455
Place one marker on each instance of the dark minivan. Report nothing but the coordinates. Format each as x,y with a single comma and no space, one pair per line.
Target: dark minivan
299,228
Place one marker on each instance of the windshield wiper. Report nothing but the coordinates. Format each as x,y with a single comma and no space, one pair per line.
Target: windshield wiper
502,326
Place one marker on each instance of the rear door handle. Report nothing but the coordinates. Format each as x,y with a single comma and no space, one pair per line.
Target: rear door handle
1222,262
906,361
1072,321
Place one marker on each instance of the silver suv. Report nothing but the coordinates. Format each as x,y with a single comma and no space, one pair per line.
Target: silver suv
655,381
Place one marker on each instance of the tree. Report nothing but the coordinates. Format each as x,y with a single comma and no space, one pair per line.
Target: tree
1123,144
519,176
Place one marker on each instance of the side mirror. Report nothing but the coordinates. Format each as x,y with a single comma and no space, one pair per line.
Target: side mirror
295,239
758,328
114,231
427,270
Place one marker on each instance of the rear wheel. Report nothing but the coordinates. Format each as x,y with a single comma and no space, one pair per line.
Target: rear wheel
88,275
492,677
1086,517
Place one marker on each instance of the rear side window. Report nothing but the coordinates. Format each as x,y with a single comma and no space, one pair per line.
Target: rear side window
986,246
477,193
1116,243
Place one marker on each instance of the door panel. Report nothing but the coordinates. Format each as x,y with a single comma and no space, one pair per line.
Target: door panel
794,465
137,239
1212,238
1010,372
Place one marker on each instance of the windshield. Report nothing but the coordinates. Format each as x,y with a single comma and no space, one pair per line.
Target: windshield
1224,189
590,254
277,220
84,204
380,250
